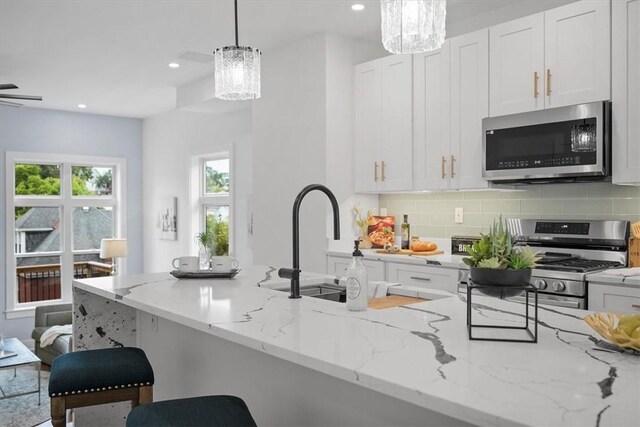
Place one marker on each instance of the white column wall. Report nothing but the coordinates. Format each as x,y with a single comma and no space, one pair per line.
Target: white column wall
303,131
289,127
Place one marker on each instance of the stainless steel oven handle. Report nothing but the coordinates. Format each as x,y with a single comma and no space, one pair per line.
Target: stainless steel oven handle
549,301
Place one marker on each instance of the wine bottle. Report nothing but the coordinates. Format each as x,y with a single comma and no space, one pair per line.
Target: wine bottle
405,229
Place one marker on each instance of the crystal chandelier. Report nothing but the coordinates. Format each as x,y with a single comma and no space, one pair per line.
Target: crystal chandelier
413,26
237,70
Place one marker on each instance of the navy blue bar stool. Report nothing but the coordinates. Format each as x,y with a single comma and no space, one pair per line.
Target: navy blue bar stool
205,411
95,377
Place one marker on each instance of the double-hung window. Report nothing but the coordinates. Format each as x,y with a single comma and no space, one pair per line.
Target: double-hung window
214,200
59,208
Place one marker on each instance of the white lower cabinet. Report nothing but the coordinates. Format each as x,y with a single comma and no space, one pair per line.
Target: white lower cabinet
337,265
445,279
612,298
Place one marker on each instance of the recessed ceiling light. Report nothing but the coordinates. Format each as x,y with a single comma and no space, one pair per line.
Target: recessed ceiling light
357,7
174,65
82,106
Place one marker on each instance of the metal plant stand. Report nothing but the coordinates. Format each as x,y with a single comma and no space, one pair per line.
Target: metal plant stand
532,335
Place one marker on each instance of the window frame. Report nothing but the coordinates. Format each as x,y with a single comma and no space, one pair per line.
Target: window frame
66,202
200,200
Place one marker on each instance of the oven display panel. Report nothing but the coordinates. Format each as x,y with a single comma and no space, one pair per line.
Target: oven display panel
581,228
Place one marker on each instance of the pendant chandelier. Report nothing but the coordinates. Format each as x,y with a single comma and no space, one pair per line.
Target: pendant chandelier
237,70
413,26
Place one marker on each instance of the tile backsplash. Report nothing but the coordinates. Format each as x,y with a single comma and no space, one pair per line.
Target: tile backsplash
432,214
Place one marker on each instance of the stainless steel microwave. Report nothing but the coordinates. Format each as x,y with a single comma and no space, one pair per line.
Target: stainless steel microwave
567,143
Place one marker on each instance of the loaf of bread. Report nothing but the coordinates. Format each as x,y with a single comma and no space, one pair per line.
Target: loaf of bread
423,246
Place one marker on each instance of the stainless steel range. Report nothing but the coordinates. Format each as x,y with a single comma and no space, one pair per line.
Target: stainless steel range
570,251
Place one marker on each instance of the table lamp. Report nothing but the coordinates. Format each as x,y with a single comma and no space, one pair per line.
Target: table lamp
112,249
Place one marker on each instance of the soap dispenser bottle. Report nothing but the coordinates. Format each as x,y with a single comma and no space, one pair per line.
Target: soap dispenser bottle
357,282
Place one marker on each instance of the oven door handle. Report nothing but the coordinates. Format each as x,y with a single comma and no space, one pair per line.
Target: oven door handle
548,301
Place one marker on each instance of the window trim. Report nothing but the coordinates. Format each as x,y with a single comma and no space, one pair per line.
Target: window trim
199,200
66,202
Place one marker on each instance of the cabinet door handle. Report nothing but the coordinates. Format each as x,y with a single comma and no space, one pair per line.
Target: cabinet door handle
383,166
548,82
535,84
444,162
375,172
453,159
424,279
636,306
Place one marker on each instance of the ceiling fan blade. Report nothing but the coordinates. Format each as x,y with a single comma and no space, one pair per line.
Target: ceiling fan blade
10,104
8,86
27,97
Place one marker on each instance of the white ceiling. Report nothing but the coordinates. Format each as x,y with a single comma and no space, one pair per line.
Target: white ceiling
112,55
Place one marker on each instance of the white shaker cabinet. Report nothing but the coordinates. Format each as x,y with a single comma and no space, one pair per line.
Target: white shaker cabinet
337,265
431,119
614,298
517,65
626,91
552,59
469,105
422,276
577,53
384,124
451,91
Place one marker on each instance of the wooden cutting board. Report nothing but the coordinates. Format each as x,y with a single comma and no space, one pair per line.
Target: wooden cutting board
410,252
393,301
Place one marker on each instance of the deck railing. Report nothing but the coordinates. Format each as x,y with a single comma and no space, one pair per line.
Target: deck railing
42,282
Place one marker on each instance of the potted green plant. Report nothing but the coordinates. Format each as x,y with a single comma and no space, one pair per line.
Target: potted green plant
494,260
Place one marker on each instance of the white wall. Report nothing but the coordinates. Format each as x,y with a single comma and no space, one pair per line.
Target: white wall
342,54
289,151
169,142
303,131
49,131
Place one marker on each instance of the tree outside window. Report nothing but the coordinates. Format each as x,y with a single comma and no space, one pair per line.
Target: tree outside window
41,260
215,200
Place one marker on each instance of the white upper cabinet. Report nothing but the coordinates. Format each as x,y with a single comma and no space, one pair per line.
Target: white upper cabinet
384,125
577,52
396,173
517,65
451,97
431,119
626,91
552,59
469,105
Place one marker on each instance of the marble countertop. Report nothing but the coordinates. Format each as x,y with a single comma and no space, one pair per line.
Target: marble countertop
418,353
623,276
442,260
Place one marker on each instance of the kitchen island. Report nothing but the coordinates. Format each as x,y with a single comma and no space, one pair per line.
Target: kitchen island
312,362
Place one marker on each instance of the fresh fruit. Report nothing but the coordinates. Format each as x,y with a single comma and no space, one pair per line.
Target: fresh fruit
629,323
623,331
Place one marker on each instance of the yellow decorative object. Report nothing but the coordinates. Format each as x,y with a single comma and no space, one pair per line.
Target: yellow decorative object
621,330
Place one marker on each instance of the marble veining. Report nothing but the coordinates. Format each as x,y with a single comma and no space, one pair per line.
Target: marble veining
418,353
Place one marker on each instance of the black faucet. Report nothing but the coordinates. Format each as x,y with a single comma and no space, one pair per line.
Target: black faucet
294,273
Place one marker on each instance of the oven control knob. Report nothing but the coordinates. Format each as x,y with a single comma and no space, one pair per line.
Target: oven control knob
558,286
540,284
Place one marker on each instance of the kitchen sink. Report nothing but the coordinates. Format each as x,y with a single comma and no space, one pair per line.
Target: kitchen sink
328,291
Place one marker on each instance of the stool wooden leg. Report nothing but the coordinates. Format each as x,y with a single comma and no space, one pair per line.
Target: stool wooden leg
145,395
58,412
